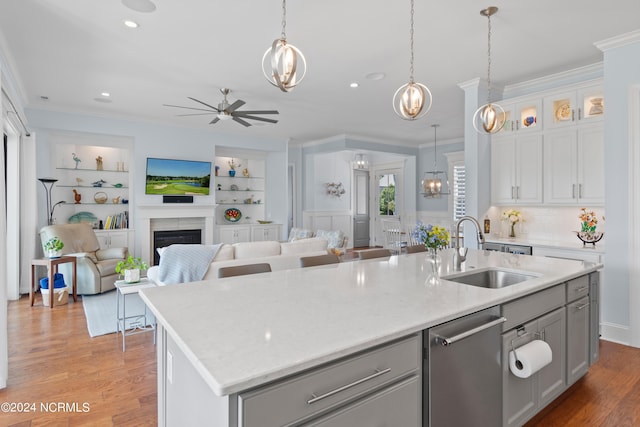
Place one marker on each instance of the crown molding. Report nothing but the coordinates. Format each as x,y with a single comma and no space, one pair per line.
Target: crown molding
618,41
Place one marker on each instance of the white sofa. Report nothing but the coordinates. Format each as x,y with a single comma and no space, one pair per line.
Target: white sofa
279,255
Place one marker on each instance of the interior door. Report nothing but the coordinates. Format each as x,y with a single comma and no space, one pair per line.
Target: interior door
361,209
387,201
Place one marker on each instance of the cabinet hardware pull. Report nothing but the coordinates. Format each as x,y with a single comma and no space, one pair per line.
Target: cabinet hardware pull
517,192
573,191
448,341
580,191
573,115
580,307
512,194
376,374
579,113
580,289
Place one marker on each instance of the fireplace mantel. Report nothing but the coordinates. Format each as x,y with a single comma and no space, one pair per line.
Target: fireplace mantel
145,213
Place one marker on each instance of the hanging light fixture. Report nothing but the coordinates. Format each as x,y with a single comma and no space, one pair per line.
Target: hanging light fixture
412,100
361,161
283,64
435,183
490,117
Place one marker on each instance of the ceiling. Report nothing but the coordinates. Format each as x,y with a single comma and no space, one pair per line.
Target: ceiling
71,51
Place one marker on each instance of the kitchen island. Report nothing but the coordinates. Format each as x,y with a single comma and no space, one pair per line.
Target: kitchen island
220,340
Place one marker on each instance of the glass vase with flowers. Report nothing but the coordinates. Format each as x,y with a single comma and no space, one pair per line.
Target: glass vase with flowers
434,238
512,217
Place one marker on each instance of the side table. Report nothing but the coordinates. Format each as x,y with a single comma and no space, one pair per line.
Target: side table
139,321
52,268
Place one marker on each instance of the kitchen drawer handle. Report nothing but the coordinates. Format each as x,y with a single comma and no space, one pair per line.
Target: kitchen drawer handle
448,341
580,289
580,307
376,374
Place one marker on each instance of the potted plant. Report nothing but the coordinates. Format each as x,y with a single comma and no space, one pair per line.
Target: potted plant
53,247
130,268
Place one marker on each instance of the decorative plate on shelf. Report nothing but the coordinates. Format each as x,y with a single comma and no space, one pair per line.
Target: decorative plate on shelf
233,187
82,217
262,221
232,214
563,112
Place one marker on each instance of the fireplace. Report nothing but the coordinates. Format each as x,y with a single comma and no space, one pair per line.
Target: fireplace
162,239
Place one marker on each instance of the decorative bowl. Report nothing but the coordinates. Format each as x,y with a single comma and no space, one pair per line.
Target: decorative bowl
232,215
588,237
100,197
262,221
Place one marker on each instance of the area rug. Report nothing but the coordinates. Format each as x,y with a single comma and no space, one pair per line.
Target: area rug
100,311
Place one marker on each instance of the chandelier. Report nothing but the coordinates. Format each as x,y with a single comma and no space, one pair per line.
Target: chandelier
490,117
283,65
435,183
412,100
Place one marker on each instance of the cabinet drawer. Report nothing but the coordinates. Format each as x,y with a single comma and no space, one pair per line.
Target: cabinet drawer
532,306
302,396
577,288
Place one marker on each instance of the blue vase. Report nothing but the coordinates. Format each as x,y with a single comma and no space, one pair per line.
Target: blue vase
232,172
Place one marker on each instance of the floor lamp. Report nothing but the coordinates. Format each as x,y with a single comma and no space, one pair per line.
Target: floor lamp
47,193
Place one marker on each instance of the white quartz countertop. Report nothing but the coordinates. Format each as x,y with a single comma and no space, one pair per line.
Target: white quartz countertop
241,332
576,245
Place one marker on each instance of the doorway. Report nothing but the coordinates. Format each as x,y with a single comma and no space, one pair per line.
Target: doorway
361,219
387,201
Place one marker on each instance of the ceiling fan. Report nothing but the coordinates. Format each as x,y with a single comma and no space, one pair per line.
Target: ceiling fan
226,111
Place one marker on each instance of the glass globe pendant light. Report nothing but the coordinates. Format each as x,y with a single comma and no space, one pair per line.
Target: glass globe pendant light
412,100
489,118
435,183
283,65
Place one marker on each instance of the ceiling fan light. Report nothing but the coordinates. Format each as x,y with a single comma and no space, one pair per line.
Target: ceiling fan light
489,119
412,101
283,65
224,116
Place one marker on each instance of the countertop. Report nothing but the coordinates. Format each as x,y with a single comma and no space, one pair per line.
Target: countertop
241,332
576,245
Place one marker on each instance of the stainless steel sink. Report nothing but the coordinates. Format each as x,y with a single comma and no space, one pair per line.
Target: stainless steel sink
491,278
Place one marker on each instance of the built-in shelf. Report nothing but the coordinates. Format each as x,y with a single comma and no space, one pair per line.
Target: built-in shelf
91,186
91,170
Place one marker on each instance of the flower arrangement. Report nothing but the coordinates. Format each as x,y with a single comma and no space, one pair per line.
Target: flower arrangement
233,165
588,221
512,216
431,236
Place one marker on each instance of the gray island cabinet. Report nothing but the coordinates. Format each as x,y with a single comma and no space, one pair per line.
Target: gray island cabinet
342,345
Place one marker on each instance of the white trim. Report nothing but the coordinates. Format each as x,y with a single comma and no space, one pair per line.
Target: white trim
557,78
614,333
634,207
13,211
618,41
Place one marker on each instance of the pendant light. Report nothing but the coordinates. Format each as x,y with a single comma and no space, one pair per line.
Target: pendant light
435,183
283,65
412,100
490,117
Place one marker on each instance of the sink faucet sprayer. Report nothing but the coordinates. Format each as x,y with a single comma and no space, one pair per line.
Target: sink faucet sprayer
460,254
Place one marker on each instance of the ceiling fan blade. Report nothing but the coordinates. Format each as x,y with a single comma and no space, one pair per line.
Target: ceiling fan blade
188,108
231,108
242,122
196,114
215,120
257,112
262,119
203,103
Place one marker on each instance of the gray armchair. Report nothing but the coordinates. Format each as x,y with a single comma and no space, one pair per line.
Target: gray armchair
96,268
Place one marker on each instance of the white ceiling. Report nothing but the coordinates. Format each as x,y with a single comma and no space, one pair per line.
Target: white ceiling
72,50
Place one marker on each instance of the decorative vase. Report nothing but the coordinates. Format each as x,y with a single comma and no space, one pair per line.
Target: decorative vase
132,276
52,253
513,230
232,172
434,261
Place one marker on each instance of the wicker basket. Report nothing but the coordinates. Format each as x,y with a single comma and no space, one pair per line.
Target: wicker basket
100,197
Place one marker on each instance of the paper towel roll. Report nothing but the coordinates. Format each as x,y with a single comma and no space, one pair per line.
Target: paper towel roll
530,358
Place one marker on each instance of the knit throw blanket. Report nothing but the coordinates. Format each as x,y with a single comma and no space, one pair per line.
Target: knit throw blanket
185,263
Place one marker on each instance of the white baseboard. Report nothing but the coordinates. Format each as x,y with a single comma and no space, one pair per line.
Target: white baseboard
615,333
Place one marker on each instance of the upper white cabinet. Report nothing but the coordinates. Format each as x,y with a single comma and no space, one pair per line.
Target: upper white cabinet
516,169
568,108
574,166
521,116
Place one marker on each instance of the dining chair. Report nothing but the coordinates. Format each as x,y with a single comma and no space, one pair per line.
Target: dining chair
374,253
412,249
312,261
241,270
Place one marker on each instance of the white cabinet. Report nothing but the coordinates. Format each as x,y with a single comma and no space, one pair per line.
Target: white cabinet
516,169
234,234
574,166
113,239
521,116
265,232
582,105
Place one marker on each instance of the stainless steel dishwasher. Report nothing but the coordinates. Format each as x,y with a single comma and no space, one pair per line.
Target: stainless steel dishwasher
462,371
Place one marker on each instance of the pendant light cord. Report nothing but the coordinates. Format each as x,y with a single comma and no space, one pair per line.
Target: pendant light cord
284,19
411,45
435,147
489,60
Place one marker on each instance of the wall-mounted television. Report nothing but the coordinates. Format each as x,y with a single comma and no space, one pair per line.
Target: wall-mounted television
175,177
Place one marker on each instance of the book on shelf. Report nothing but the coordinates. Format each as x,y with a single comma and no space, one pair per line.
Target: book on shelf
117,221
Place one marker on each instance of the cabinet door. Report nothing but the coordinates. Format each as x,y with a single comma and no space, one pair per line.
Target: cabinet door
560,110
529,169
272,233
398,405
103,239
118,239
591,104
551,378
560,167
590,163
503,180
232,234
519,395
594,317
577,339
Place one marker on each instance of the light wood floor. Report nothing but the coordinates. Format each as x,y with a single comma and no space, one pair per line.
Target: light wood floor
53,360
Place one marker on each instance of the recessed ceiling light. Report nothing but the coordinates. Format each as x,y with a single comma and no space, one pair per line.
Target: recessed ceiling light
354,85
375,76
105,94
131,24
140,5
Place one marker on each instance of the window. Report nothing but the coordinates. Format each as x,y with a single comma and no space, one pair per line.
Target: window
458,207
